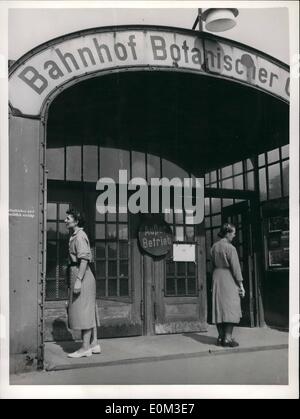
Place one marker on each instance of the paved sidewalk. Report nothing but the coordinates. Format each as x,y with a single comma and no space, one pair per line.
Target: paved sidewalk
117,351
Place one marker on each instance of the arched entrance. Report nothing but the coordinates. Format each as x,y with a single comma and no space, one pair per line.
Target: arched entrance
167,97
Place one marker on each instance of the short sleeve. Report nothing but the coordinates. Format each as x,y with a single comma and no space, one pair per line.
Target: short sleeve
82,245
235,264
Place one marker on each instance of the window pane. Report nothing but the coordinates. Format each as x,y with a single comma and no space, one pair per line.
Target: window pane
100,269
138,164
51,230
191,285
170,268
100,231
249,164
179,234
111,216
273,155
51,249
112,287
153,166
111,231
111,161
90,163
191,268
238,168
178,217
215,205
207,222
73,161
206,178
226,171
63,208
261,159
285,151
112,268
124,289
123,216
238,182
100,250
215,234
99,217
169,217
181,286
55,162
123,232
213,176
123,248
208,244
206,206
124,268
51,211
274,181
262,184
250,181
100,288
170,286
228,183
63,232
216,220
180,266
189,232
112,250
51,268
285,174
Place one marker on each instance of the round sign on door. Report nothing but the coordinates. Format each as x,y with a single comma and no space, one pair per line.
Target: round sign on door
155,236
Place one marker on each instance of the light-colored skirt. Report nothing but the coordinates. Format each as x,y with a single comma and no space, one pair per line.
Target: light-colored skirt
226,302
82,308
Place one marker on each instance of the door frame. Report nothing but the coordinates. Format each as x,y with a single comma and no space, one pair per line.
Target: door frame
257,240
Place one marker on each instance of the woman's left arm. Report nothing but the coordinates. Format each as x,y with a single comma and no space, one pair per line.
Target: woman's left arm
80,275
83,252
236,269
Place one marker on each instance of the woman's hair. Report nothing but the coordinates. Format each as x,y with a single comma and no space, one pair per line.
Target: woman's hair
77,215
226,228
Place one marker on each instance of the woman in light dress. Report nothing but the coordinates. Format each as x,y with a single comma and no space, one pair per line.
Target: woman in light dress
227,286
82,308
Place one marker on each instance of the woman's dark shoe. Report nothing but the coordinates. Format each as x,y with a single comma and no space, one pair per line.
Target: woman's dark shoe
230,343
219,341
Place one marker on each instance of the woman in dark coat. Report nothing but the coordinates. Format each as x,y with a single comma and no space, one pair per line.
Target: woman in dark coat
227,286
82,309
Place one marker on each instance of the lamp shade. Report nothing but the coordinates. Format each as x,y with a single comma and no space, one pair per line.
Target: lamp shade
219,20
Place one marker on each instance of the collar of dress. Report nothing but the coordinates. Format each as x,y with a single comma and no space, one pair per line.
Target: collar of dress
75,232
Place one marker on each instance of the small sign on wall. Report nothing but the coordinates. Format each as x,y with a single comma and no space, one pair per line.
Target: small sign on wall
184,252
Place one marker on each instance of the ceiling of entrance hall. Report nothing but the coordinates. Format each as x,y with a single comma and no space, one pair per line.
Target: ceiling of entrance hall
198,122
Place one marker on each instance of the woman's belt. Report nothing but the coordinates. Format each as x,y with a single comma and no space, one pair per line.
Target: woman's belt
77,263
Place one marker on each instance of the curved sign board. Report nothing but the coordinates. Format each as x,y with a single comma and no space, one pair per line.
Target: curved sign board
53,66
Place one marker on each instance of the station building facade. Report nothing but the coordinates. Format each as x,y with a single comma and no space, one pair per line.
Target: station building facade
158,102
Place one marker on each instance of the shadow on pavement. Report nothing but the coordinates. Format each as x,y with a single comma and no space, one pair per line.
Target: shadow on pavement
206,340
